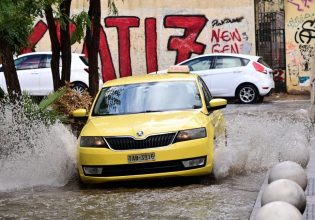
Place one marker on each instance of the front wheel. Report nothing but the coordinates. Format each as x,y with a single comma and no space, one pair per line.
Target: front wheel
247,94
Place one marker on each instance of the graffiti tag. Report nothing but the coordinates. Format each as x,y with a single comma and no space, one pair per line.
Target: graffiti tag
307,53
217,22
301,7
307,33
230,40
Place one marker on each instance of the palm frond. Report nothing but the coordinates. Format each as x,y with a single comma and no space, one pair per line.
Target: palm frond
51,98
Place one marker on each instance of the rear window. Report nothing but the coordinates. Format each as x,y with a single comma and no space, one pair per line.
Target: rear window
261,61
84,60
227,62
245,61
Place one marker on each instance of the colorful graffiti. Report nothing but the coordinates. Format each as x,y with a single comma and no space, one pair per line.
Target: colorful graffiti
301,6
303,38
186,45
307,53
230,39
225,37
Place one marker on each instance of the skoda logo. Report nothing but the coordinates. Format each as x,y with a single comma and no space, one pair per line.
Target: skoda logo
140,133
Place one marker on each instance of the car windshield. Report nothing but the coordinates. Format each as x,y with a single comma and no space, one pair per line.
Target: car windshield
147,97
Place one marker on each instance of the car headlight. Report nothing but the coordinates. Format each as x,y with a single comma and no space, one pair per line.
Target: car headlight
190,134
92,141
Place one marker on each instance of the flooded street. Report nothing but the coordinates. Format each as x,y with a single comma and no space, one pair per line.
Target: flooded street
41,182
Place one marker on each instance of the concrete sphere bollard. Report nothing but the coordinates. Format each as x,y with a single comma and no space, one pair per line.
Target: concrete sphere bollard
287,191
278,211
289,170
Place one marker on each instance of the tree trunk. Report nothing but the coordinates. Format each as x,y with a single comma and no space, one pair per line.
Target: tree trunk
92,43
55,47
11,77
65,44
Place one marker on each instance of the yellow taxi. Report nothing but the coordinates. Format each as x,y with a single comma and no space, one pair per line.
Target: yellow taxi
150,126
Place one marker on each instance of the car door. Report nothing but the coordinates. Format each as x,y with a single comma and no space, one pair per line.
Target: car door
45,75
223,78
28,73
216,117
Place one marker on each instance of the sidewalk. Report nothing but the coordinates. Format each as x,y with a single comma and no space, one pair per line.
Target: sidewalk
310,190
285,96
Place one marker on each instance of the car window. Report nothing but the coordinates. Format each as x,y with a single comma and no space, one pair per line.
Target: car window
245,61
205,90
201,63
227,62
45,62
28,62
84,59
147,97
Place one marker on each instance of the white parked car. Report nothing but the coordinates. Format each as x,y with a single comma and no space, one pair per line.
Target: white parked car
35,75
245,77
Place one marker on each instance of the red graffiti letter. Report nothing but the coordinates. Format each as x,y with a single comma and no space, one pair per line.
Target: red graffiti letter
123,24
39,30
186,44
216,35
150,44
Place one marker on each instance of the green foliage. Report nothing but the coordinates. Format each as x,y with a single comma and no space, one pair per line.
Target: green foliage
81,21
34,112
16,21
51,98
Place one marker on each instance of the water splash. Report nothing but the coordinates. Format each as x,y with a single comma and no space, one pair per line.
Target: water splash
258,140
32,151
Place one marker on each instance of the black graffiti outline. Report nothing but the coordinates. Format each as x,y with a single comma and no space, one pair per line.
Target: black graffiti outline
217,22
307,33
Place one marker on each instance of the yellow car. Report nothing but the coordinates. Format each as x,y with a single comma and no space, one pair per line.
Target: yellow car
150,126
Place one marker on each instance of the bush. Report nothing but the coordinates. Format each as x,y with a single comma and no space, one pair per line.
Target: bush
71,101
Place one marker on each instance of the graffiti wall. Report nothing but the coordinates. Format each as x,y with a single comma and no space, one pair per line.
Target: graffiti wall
150,35
300,44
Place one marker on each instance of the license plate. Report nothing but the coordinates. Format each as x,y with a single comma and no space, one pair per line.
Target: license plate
134,158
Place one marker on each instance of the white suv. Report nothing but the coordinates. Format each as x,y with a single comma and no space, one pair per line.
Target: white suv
245,77
35,75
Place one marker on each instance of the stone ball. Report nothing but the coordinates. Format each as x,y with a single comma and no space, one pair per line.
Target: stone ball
288,170
278,210
298,152
287,191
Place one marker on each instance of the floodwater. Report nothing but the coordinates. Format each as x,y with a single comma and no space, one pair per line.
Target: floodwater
38,178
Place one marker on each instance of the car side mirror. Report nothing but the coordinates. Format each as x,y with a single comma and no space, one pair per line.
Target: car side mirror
79,113
216,104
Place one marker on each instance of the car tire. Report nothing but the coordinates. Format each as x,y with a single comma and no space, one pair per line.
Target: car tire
247,94
260,99
79,87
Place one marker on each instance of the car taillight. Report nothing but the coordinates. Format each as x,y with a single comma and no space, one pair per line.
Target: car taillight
87,70
260,68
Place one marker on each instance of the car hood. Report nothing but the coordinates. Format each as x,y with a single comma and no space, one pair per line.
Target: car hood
149,123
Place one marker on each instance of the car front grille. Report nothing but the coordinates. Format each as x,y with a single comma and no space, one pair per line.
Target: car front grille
129,143
144,168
